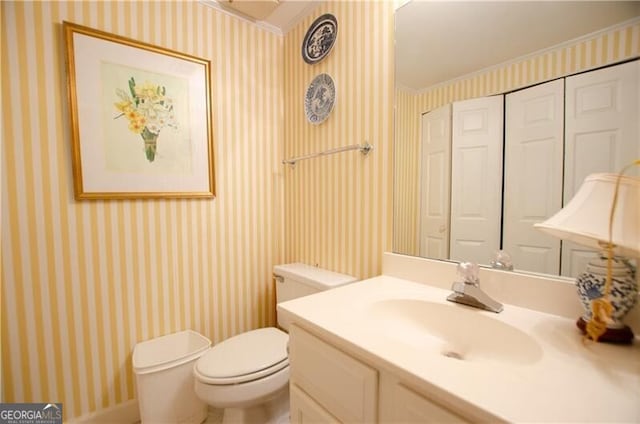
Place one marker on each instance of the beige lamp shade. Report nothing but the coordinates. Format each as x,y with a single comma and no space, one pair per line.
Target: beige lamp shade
585,219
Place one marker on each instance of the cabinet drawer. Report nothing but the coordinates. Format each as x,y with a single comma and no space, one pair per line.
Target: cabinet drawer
305,410
339,383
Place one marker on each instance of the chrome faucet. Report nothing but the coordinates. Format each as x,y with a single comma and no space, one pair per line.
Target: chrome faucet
468,291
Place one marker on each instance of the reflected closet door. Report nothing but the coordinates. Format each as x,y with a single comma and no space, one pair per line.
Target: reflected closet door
534,147
602,135
476,180
435,183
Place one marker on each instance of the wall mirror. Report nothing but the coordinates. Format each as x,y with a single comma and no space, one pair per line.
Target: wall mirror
454,59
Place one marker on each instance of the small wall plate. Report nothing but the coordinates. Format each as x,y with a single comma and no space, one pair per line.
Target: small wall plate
319,99
320,38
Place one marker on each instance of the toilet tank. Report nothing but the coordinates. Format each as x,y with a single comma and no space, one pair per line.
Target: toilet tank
298,279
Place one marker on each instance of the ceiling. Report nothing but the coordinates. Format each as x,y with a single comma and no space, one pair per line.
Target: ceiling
278,16
438,41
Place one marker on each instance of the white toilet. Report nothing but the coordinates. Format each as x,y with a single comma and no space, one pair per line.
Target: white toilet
248,375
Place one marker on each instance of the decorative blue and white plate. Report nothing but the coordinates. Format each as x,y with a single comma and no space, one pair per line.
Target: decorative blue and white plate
319,99
320,38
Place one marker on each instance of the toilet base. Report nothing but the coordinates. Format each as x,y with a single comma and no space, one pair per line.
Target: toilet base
275,411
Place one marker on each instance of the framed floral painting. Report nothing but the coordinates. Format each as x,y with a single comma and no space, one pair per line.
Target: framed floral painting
141,121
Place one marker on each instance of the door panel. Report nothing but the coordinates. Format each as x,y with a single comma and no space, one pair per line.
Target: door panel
533,174
435,183
476,181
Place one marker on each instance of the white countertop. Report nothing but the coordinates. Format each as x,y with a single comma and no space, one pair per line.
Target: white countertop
551,377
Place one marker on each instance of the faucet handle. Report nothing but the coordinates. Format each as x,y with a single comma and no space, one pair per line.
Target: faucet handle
502,260
469,272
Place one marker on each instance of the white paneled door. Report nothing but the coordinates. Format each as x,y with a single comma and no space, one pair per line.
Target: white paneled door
435,183
534,126
602,119
476,181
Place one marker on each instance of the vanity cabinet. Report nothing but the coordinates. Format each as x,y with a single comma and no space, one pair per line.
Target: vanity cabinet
339,387
328,385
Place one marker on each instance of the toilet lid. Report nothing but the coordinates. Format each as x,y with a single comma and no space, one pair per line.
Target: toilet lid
244,357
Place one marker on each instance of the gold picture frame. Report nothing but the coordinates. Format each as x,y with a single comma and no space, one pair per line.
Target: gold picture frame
141,120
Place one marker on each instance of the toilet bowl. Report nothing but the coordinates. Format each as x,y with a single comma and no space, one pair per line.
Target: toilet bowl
247,375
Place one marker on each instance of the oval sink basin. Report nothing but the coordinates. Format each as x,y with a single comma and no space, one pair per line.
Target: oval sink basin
455,331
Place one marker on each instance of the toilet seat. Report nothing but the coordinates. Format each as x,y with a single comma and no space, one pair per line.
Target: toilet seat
246,357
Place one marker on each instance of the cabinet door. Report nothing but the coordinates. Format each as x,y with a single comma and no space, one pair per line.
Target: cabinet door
406,406
304,410
602,135
534,148
435,183
342,385
476,180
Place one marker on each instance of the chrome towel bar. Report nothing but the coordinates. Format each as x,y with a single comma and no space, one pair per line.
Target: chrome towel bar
364,148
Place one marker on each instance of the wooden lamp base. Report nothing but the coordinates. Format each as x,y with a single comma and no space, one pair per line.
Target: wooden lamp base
622,335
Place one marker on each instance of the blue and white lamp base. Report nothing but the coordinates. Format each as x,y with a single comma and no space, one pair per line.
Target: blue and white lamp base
623,296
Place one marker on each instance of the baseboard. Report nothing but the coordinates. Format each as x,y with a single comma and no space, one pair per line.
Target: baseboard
123,413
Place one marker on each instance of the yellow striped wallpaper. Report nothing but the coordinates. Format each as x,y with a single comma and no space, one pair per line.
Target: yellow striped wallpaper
339,207
618,44
82,282
406,187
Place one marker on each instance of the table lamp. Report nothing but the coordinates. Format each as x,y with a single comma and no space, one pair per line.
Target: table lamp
604,214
